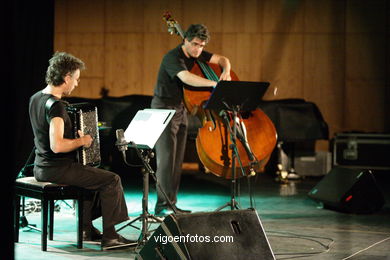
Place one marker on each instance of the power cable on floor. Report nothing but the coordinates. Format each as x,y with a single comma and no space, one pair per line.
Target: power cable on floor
358,252
306,237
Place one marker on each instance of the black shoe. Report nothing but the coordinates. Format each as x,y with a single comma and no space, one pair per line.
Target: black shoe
182,211
92,235
117,243
165,211
162,212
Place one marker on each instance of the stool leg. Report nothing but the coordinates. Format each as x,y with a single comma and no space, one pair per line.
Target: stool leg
44,216
16,217
80,207
51,219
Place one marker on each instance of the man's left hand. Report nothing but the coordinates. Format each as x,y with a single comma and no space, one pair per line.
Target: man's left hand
225,76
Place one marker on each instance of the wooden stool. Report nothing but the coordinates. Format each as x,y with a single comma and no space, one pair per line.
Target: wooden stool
47,192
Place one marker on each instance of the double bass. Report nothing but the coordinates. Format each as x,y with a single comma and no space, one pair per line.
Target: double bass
213,141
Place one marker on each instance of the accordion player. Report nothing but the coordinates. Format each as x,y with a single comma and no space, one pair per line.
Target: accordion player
84,117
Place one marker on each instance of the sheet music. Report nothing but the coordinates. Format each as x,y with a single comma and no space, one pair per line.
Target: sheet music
147,126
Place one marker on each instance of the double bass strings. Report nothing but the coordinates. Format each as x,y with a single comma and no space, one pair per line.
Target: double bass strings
209,73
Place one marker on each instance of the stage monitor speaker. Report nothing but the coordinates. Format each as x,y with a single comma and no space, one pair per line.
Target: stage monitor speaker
349,190
233,234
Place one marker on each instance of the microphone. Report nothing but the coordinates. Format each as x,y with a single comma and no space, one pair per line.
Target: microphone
252,171
241,135
249,153
121,142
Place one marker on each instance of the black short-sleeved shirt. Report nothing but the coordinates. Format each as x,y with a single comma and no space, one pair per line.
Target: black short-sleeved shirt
169,87
44,156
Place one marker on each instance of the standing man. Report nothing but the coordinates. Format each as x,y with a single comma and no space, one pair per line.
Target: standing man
55,153
174,73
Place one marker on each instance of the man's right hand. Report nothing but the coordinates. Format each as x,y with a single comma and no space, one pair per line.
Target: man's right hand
85,139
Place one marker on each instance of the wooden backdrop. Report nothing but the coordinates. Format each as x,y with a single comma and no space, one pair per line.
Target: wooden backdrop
334,53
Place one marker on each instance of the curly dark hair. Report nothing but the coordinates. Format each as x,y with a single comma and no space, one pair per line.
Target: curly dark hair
60,65
199,31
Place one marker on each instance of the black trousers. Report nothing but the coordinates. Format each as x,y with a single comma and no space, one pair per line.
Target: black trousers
170,149
108,202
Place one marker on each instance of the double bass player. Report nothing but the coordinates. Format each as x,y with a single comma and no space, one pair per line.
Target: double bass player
174,73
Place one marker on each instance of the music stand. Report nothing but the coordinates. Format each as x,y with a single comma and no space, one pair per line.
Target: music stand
245,94
142,134
235,96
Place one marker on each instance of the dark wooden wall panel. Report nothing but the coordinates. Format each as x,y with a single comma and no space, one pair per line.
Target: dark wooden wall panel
334,53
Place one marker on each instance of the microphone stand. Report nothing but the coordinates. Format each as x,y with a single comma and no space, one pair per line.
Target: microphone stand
235,155
23,222
145,216
233,146
234,96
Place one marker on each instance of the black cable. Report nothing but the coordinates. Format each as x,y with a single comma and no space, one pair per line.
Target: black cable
250,191
306,237
130,164
29,163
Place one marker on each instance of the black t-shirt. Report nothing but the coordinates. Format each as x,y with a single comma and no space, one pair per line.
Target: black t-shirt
44,156
169,87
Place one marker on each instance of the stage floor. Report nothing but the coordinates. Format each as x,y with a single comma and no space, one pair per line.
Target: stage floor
296,226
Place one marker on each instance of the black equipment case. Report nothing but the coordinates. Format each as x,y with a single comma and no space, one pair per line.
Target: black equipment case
361,150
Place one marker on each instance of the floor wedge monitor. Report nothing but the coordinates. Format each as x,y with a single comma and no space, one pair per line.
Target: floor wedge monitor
349,190
233,234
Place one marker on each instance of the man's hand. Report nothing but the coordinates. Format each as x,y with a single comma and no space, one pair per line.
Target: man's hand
224,63
85,139
225,76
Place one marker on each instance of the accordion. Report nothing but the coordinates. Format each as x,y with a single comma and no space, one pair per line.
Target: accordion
85,118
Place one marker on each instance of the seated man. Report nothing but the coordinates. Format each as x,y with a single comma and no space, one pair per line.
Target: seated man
55,153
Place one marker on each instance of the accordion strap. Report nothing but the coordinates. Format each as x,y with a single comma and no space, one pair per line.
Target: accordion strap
49,104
